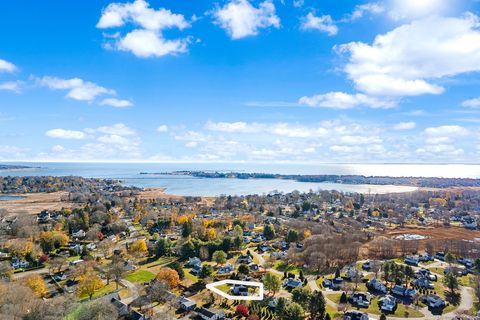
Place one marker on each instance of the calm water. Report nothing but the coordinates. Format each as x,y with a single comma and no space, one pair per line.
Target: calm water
6,198
184,185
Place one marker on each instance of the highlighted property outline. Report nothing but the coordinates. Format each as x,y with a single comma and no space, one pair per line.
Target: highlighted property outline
212,287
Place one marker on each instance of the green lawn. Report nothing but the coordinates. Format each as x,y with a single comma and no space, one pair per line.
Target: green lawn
335,297
282,267
73,258
101,292
190,276
399,313
140,276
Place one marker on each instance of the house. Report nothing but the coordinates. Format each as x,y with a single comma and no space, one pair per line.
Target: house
411,260
367,265
244,258
433,301
425,273
187,304
425,257
337,283
76,248
43,216
193,262
79,234
207,314
403,291
225,269
422,283
121,307
353,273
468,263
60,276
291,283
377,285
196,269
265,248
19,263
360,299
456,271
355,315
440,256
91,246
278,255
388,303
254,267
239,290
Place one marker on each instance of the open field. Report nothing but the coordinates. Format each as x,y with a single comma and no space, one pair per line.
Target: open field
33,203
436,233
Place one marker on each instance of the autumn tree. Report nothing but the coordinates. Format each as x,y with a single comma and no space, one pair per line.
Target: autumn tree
88,283
37,284
170,277
139,247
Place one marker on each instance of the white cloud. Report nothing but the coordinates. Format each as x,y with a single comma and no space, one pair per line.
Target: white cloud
148,40
446,131
163,128
341,100
77,88
65,134
241,19
15,86
140,13
117,103
471,103
323,23
415,9
6,66
118,129
240,127
405,61
146,43
367,8
405,126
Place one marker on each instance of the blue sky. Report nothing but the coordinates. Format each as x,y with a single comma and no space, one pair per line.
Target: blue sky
240,81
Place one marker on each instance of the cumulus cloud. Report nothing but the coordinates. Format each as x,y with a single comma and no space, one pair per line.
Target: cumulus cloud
117,103
163,128
415,9
341,100
241,19
405,126
148,39
14,86
471,103
6,66
118,129
76,88
408,60
447,130
65,134
323,23
367,8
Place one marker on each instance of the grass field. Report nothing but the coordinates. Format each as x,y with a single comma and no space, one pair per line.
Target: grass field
100,292
140,276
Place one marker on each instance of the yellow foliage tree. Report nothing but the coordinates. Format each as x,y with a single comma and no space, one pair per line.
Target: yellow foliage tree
88,283
37,285
139,247
169,276
211,234
183,218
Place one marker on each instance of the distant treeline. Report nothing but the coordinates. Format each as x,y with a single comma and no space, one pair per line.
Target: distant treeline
13,167
347,179
52,184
